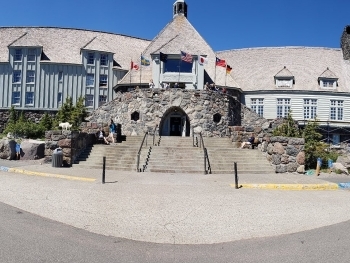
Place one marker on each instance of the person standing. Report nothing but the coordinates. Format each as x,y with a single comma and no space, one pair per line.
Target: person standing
151,84
112,130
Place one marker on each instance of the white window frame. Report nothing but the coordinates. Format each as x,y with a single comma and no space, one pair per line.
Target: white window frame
336,110
91,58
284,83
90,80
104,60
257,105
103,80
102,100
310,109
328,83
31,55
18,55
16,97
89,100
30,76
283,107
17,76
29,98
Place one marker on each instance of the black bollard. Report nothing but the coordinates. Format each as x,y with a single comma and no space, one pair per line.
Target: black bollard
236,176
104,170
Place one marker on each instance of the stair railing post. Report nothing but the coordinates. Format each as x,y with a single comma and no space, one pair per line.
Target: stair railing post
104,170
236,176
205,162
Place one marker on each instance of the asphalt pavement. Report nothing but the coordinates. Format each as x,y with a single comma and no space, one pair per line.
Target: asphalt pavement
175,208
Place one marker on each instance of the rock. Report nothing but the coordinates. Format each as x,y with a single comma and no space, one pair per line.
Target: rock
344,160
339,167
301,169
7,149
32,150
278,148
300,159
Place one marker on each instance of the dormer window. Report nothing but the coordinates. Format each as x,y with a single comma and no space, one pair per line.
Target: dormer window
284,78
328,80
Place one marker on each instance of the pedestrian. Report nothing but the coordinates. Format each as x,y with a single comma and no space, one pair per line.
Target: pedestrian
249,141
112,130
151,84
18,151
101,135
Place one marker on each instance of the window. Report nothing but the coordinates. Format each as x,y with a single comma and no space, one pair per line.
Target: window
31,54
336,110
177,65
16,76
60,76
59,98
257,105
89,100
310,108
30,76
283,108
284,83
90,79
102,100
16,97
29,98
103,80
18,54
104,59
328,83
91,59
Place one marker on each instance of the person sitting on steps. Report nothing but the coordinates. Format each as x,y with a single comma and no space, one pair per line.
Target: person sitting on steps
101,135
249,142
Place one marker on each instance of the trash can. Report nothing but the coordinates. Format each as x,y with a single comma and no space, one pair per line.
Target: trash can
57,158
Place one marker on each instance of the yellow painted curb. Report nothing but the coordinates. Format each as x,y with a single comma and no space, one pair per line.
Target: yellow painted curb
74,178
294,187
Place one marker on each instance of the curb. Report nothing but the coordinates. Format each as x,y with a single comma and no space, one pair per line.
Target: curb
293,187
344,185
27,172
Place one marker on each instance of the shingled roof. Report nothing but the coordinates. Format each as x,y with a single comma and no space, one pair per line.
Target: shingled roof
63,45
254,68
179,35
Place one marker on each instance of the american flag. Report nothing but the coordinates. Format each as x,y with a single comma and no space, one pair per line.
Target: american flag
186,57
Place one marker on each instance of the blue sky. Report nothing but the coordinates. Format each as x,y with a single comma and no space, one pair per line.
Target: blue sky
224,24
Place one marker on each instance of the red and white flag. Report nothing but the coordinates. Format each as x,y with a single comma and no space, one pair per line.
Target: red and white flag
202,60
134,66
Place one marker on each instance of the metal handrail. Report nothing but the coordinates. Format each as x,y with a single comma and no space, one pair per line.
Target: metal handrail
206,156
139,153
154,133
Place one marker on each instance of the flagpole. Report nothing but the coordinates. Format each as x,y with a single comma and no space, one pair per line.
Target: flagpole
179,69
225,75
131,66
215,71
140,69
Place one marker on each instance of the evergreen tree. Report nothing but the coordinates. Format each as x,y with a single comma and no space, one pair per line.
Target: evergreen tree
289,128
46,122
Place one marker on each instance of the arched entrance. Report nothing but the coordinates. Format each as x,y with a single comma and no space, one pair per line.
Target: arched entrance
175,122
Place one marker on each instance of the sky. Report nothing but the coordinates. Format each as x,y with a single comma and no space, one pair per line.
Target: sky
224,24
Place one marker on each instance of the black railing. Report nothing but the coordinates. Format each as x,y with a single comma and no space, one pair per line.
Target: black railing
206,156
139,153
154,134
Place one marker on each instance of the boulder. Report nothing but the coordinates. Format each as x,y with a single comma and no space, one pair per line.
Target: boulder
7,149
339,167
32,150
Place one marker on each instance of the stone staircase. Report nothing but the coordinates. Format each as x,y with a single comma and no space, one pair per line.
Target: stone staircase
175,155
222,155
121,156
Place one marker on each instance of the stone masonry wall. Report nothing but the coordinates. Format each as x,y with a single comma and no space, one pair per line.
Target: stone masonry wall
153,104
72,144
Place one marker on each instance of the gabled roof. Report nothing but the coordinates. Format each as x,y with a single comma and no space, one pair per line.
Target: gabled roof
179,35
96,44
327,74
26,40
284,73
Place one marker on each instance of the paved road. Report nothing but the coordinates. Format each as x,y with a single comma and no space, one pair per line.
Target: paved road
28,238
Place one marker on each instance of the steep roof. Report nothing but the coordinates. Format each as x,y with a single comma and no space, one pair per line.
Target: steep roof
63,45
254,68
179,35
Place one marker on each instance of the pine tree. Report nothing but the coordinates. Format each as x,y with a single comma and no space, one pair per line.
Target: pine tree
288,128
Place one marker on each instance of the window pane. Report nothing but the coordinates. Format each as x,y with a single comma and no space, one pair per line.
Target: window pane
103,80
104,60
177,65
31,55
16,76
91,58
60,76
102,100
30,98
90,79
16,97
89,100
18,55
30,76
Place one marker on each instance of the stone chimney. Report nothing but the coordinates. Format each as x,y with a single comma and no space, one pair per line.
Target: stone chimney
345,42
